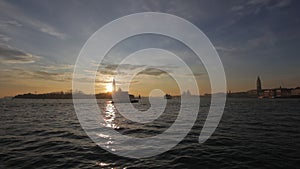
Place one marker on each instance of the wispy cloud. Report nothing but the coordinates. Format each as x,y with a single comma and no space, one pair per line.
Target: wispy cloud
57,67
197,75
125,69
47,75
224,49
280,4
21,18
36,75
11,55
152,72
255,6
48,29
4,38
262,41
113,69
122,66
8,23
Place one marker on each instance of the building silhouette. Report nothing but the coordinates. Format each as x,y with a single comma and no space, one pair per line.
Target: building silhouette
119,96
258,86
114,86
260,92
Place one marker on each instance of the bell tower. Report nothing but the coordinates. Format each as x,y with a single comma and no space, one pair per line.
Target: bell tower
114,86
258,85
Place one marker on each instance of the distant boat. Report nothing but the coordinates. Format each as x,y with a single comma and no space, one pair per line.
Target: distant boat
134,100
130,100
122,96
167,96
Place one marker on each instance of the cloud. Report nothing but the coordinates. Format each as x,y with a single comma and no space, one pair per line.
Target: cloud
44,75
4,38
10,55
20,17
224,49
261,41
280,4
237,8
258,2
197,75
102,81
255,6
18,73
121,66
111,69
56,67
125,69
48,29
107,72
264,40
7,23
152,72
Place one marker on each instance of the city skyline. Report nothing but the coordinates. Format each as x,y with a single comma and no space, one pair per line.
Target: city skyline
111,88
40,41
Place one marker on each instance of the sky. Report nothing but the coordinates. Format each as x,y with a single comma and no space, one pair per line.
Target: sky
41,40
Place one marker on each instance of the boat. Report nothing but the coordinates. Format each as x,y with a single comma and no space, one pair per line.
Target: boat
134,101
167,96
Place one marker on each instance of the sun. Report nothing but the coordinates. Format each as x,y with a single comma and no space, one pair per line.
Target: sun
108,87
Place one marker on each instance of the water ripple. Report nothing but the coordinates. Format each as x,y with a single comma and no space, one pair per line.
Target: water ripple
252,134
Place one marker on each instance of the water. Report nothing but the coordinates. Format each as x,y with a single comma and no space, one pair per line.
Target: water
253,133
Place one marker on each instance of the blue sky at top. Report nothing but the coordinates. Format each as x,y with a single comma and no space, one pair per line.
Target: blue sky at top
253,37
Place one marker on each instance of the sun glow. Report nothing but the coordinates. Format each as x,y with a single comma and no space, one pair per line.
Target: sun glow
108,87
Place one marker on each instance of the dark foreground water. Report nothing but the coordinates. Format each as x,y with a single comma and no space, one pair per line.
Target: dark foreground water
253,133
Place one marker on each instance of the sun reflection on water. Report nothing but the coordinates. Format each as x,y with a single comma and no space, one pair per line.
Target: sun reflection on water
110,116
